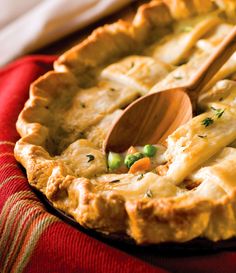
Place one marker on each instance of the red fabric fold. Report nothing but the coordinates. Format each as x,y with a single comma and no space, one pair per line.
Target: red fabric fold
34,240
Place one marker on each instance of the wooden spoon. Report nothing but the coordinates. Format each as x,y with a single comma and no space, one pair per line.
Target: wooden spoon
151,118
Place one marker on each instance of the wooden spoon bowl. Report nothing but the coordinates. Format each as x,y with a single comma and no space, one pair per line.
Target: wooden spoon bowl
135,126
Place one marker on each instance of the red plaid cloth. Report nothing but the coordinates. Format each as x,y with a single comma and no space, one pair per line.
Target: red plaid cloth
32,239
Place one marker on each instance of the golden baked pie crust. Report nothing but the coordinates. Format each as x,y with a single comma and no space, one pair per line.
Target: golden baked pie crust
172,219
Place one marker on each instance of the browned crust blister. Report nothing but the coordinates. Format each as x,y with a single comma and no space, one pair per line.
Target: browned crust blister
147,221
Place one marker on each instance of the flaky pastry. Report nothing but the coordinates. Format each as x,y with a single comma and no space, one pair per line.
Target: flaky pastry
191,192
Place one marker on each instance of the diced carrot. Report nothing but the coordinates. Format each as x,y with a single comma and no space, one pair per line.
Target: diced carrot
141,165
131,150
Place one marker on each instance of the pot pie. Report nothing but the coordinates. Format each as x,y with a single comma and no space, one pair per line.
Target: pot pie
189,187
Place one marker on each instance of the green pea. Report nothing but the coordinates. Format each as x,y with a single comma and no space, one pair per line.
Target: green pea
138,155
130,159
114,160
149,150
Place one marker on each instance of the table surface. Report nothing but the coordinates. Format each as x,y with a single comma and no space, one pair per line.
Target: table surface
127,13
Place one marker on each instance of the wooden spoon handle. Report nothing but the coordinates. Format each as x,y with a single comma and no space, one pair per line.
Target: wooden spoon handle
214,63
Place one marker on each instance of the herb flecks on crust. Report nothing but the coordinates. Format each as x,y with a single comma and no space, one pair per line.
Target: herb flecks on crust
116,65
218,112
207,121
90,157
